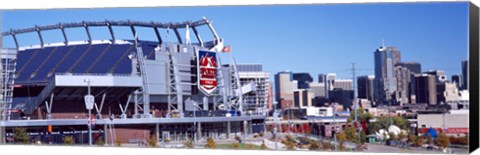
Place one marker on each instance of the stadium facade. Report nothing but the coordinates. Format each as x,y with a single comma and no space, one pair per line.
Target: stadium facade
169,90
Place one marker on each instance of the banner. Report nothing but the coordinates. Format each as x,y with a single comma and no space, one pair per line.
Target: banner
207,71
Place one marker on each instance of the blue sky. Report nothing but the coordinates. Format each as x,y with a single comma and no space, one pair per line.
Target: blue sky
301,38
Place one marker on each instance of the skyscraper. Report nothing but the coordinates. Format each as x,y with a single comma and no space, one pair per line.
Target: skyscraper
414,67
284,87
345,84
385,81
426,89
365,87
303,80
321,78
403,76
439,75
465,75
458,80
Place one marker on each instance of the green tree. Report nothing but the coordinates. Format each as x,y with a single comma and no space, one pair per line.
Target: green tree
363,137
443,141
412,139
210,143
401,122
20,136
68,140
235,145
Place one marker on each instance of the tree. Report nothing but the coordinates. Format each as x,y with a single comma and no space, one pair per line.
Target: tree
419,141
341,137
401,122
429,139
20,136
210,143
351,134
363,137
326,146
412,139
443,141
401,136
68,140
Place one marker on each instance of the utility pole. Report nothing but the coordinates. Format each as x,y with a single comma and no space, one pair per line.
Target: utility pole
356,103
89,101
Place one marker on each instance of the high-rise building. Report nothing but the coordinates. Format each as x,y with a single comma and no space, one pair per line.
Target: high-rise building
385,82
270,96
342,97
345,84
318,89
365,87
426,89
403,76
321,78
303,80
328,80
457,79
414,67
439,75
302,98
465,75
447,92
284,87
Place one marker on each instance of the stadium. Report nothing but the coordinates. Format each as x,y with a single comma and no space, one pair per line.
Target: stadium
163,89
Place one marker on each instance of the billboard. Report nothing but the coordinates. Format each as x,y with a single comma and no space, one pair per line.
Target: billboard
207,69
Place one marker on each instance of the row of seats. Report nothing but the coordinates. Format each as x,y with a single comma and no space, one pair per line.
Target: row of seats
38,65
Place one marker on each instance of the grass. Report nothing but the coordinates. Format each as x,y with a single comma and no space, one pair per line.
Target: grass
242,146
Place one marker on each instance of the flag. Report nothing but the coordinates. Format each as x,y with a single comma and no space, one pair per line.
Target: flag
226,49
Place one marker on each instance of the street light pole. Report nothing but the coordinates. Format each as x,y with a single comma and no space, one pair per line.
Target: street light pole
89,101
194,125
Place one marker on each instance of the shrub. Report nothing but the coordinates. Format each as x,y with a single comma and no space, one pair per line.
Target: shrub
68,140
100,142
442,140
289,143
326,146
429,139
263,146
210,143
314,145
237,138
419,141
118,142
260,134
235,145
20,136
341,137
152,141
188,143
249,146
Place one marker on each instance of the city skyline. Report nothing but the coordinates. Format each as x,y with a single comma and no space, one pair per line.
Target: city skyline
329,37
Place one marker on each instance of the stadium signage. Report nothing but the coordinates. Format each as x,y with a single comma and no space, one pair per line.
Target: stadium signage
207,69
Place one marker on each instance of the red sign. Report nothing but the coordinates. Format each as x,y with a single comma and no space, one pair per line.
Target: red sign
207,66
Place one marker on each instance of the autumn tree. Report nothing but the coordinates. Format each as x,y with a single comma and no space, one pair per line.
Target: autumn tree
443,141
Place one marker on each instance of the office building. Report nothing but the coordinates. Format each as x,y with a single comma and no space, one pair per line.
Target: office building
457,79
303,98
345,84
447,92
342,97
426,89
465,75
439,75
284,87
385,82
303,80
403,76
318,89
414,67
365,87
